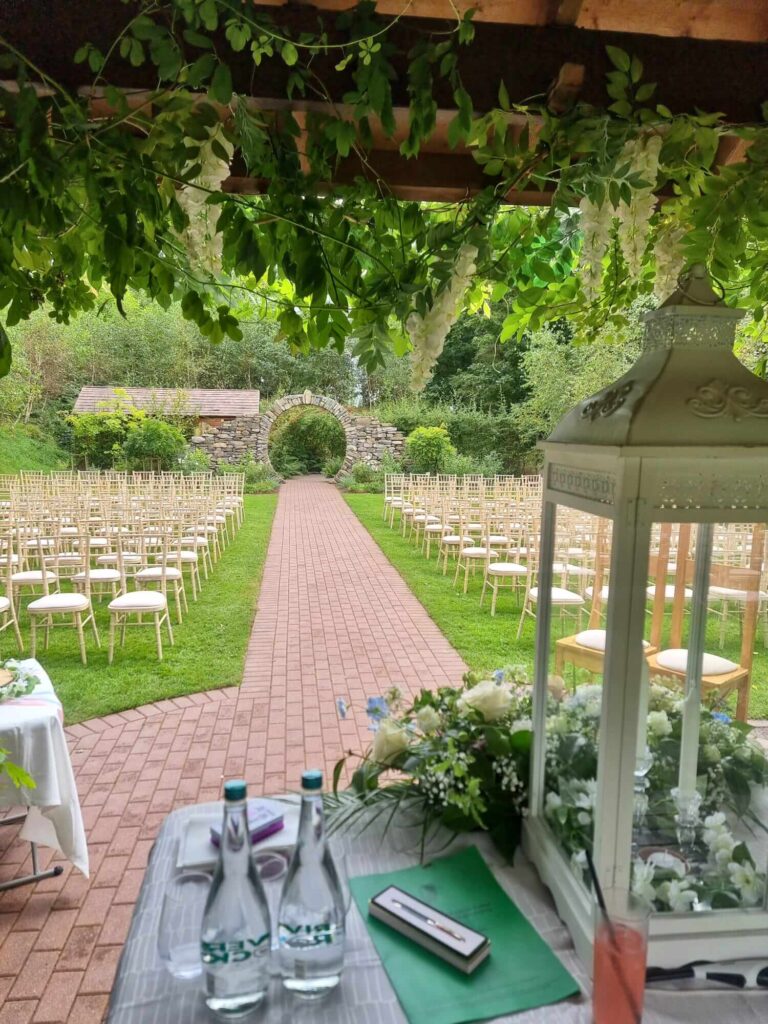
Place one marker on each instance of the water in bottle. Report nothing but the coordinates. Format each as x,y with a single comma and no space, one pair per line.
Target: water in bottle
236,929
311,915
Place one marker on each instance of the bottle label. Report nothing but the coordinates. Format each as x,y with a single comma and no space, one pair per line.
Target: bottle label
308,934
234,952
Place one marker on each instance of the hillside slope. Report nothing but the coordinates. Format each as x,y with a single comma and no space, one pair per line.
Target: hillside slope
19,450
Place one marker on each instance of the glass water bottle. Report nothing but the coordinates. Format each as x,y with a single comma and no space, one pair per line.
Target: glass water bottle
236,935
311,915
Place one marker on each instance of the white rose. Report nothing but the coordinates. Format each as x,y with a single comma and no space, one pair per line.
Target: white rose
642,881
522,725
552,802
390,740
428,719
492,700
659,724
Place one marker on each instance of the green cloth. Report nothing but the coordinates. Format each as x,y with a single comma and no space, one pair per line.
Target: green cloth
522,971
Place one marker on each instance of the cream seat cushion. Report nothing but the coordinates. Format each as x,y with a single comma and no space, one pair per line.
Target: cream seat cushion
156,572
676,659
604,590
734,595
31,576
139,601
99,576
5,604
59,602
595,639
507,569
669,592
477,552
559,596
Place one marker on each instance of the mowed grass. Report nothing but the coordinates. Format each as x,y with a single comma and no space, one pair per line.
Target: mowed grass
20,450
487,642
210,644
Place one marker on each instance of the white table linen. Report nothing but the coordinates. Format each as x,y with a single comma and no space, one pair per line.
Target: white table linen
32,730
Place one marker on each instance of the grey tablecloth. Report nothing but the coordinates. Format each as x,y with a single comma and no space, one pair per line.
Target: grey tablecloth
144,993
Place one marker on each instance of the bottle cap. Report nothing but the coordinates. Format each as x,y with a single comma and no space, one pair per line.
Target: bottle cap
234,789
312,780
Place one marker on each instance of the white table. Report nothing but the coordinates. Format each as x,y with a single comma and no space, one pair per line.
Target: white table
32,730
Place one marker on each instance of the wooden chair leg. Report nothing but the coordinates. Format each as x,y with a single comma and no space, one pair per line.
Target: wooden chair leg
81,637
95,630
158,637
495,588
33,642
169,627
111,651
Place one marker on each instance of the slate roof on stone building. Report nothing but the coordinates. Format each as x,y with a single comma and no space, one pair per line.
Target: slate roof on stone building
192,401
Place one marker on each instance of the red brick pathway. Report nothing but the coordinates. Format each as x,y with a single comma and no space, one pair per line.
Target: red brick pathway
334,619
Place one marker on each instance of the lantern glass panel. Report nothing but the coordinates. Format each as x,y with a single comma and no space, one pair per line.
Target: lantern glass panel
701,806
581,558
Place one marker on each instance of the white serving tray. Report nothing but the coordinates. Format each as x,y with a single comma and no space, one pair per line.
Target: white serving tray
196,851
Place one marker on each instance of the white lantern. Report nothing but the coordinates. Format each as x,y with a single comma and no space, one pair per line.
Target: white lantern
655,500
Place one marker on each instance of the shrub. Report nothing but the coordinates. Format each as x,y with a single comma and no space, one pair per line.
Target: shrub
98,437
461,465
332,466
259,477
153,444
472,431
366,479
428,450
194,460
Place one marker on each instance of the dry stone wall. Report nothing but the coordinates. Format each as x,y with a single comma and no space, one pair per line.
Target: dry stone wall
367,438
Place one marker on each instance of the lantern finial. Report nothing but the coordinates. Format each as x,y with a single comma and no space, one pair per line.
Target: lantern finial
694,288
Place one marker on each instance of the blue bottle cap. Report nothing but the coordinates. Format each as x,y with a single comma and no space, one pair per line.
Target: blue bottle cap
234,789
312,779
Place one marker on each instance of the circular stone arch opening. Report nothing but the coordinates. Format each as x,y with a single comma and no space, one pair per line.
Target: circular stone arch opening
282,405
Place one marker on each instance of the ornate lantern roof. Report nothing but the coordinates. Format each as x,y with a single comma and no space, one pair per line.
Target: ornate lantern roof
686,389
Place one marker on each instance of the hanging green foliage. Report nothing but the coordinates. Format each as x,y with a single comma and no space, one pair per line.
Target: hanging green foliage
133,199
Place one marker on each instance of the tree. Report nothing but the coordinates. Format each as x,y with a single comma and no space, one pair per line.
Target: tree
475,369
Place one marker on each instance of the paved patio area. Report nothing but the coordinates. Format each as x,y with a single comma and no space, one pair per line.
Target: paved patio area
334,619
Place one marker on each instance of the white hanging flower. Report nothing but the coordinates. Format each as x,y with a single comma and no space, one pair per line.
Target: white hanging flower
596,227
428,333
669,259
635,217
202,241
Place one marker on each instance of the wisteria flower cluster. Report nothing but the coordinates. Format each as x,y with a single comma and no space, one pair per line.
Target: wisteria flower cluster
201,237
720,870
427,333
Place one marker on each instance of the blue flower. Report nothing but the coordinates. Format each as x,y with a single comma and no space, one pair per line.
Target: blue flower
376,709
341,707
722,717
498,676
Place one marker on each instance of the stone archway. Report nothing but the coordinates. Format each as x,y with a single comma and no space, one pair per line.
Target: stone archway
268,419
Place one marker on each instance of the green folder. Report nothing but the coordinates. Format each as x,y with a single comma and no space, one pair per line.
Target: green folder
522,972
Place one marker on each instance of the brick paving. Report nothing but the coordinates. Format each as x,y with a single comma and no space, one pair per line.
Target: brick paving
334,619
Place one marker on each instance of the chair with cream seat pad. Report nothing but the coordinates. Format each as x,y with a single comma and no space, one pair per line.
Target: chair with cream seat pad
76,604
8,559
138,603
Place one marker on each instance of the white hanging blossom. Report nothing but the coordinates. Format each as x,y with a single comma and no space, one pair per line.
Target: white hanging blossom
202,241
668,253
428,332
635,217
596,223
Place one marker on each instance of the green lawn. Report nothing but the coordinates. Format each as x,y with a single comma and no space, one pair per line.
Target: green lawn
210,644
21,450
486,643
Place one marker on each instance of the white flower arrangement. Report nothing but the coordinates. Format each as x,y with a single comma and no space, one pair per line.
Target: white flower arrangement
23,680
201,238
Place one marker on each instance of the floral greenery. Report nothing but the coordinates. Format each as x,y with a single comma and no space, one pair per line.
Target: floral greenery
88,202
464,752
461,756
730,770
22,682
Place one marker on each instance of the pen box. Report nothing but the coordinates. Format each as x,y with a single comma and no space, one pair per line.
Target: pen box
452,941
